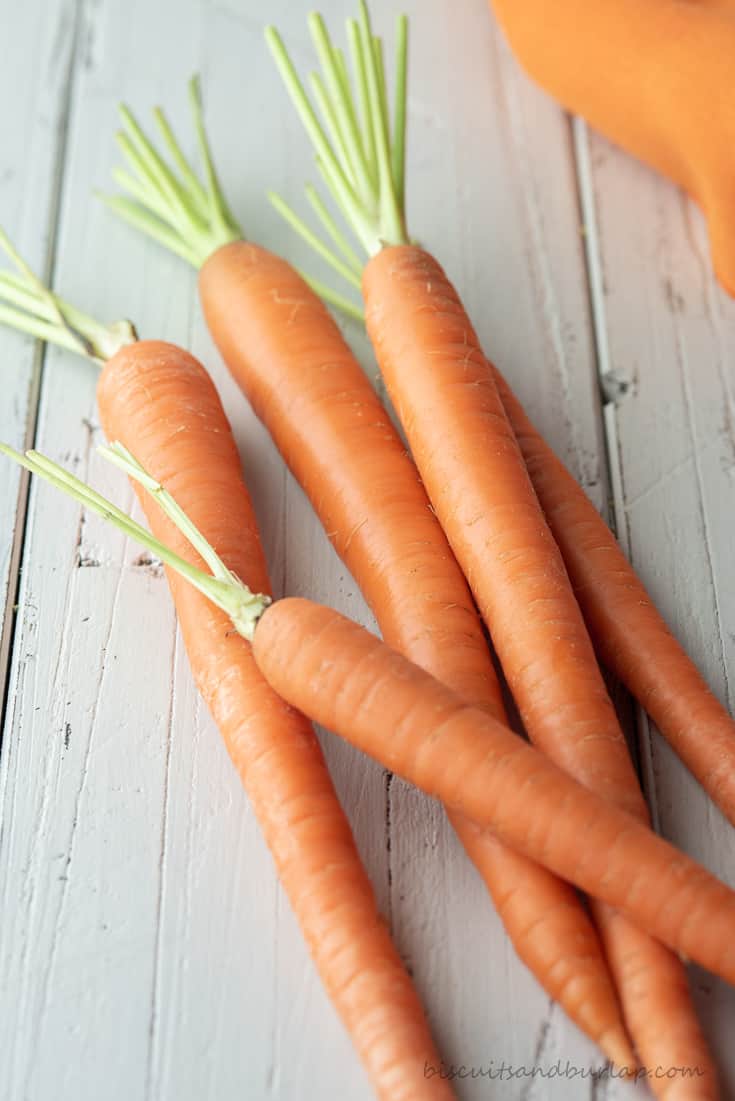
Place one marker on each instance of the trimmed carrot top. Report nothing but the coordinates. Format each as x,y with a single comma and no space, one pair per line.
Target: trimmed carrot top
360,145
165,198
221,585
27,305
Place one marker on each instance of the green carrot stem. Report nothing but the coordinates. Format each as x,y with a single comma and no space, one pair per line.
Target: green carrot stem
312,239
331,227
168,201
27,305
226,591
360,147
334,298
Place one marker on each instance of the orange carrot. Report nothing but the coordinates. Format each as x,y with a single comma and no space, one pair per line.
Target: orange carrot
184,439
303,382
445,395
632,638
338,674
157,398
344,678
446,398
629,633
290,359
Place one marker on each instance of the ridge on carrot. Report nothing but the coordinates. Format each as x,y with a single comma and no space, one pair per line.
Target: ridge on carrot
322,662
446,396
276,338
156,398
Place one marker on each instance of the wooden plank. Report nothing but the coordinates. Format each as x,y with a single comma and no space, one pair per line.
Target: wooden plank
122,819
34,89
667,332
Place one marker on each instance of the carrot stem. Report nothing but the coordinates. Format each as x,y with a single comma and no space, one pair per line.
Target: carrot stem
319,207
187,173
299,226
168,201
398,146
222,216
342,110
358,65
153,170
362,218
334,298
221,586
27,305
364,164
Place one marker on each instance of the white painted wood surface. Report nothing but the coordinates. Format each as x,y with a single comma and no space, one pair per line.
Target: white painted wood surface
146,950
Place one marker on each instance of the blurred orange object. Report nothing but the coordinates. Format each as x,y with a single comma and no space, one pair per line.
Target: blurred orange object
655,76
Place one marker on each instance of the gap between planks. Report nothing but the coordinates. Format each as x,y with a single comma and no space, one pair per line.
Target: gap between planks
614,467
47,273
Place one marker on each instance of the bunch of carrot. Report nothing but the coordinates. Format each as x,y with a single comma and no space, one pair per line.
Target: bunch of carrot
481,509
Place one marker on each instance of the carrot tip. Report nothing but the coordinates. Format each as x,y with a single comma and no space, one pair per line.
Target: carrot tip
617,1047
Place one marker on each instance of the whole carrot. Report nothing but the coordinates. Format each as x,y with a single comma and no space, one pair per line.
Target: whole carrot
159,399
446,397
340,675
304,383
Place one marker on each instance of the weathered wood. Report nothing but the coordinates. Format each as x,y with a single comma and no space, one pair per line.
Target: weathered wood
146,933
34,91
667,331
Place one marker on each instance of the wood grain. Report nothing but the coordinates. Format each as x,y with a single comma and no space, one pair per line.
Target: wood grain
32,153
666,332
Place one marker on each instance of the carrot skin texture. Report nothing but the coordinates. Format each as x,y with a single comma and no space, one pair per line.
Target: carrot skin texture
446,397
464,447
634,957
634,641
304,383
349,681
160,402
628,632
580,983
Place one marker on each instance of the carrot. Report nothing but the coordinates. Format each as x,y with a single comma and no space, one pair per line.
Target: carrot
341,676
628,631
633,640
666,92
446,398
550,665
293,364
347,680
339,443
158,398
